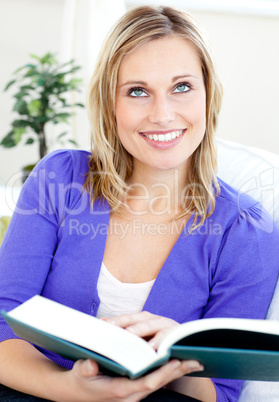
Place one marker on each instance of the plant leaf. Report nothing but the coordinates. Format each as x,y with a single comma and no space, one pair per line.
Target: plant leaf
62,115
26,87
19,69
48,58
74,82
18,133
35,107
20,94
10,83
75,68
8,141
43,119
63,73
31,72
30,141
41,81
34,56
21,123
62,134
59,66
21,107
73,142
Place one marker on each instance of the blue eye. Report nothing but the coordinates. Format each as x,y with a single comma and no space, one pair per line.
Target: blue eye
137,92
180,88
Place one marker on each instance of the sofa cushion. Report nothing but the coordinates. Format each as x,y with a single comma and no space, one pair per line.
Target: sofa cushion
251,170
4,222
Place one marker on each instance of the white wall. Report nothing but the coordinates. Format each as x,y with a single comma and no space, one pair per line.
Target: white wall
26,26
247,57
246,52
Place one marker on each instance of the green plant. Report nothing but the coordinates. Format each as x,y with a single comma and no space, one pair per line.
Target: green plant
40,100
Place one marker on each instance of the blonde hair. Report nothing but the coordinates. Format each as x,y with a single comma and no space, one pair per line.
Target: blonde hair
110,164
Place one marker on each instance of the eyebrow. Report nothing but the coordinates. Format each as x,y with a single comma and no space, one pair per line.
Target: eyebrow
134,83
177,77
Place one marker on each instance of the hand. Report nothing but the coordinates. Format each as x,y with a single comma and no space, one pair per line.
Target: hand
87,385
83,384
146,325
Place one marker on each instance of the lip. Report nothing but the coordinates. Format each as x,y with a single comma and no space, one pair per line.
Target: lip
163,145
162,131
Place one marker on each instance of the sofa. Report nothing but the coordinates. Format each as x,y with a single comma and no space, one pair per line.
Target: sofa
256,172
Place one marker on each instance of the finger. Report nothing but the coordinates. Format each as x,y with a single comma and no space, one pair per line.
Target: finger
85,368
152,326
145,325
157,339
125,320
165,374
122,388
170,372
142,324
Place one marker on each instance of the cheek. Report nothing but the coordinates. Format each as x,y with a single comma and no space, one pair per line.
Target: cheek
128,119
197,114
124,125
119,115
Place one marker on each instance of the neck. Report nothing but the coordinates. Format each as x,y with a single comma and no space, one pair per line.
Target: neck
157,191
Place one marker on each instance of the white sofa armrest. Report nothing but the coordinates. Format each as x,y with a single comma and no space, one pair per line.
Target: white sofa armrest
255,172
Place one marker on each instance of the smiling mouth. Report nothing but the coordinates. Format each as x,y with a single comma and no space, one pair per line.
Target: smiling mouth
169,136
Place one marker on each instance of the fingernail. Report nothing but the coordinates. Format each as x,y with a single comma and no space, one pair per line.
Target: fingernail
195,366
110,321
152,344
176,364
133,330
89,367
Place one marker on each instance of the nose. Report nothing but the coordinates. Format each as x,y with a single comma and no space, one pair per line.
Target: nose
161,112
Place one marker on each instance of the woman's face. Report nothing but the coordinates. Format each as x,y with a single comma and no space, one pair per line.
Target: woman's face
161,103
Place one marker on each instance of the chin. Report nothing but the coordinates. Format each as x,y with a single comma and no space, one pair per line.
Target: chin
169,166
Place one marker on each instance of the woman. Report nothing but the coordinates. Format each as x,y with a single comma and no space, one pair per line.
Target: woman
146,227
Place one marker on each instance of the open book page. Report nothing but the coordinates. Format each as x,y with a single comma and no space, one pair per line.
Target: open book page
82,329
197,326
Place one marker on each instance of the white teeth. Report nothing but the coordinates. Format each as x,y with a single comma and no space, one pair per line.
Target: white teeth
164,137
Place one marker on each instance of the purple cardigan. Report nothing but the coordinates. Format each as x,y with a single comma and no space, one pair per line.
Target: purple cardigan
55,243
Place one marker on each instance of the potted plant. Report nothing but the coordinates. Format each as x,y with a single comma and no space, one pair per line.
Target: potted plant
41,99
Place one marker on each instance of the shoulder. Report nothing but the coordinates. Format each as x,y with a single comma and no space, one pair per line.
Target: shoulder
75,157
56,185
236,207
232,201
65,165
236,199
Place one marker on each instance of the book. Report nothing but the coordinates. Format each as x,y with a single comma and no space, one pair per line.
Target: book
227,347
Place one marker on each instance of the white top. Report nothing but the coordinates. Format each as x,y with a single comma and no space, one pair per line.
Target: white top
117,297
